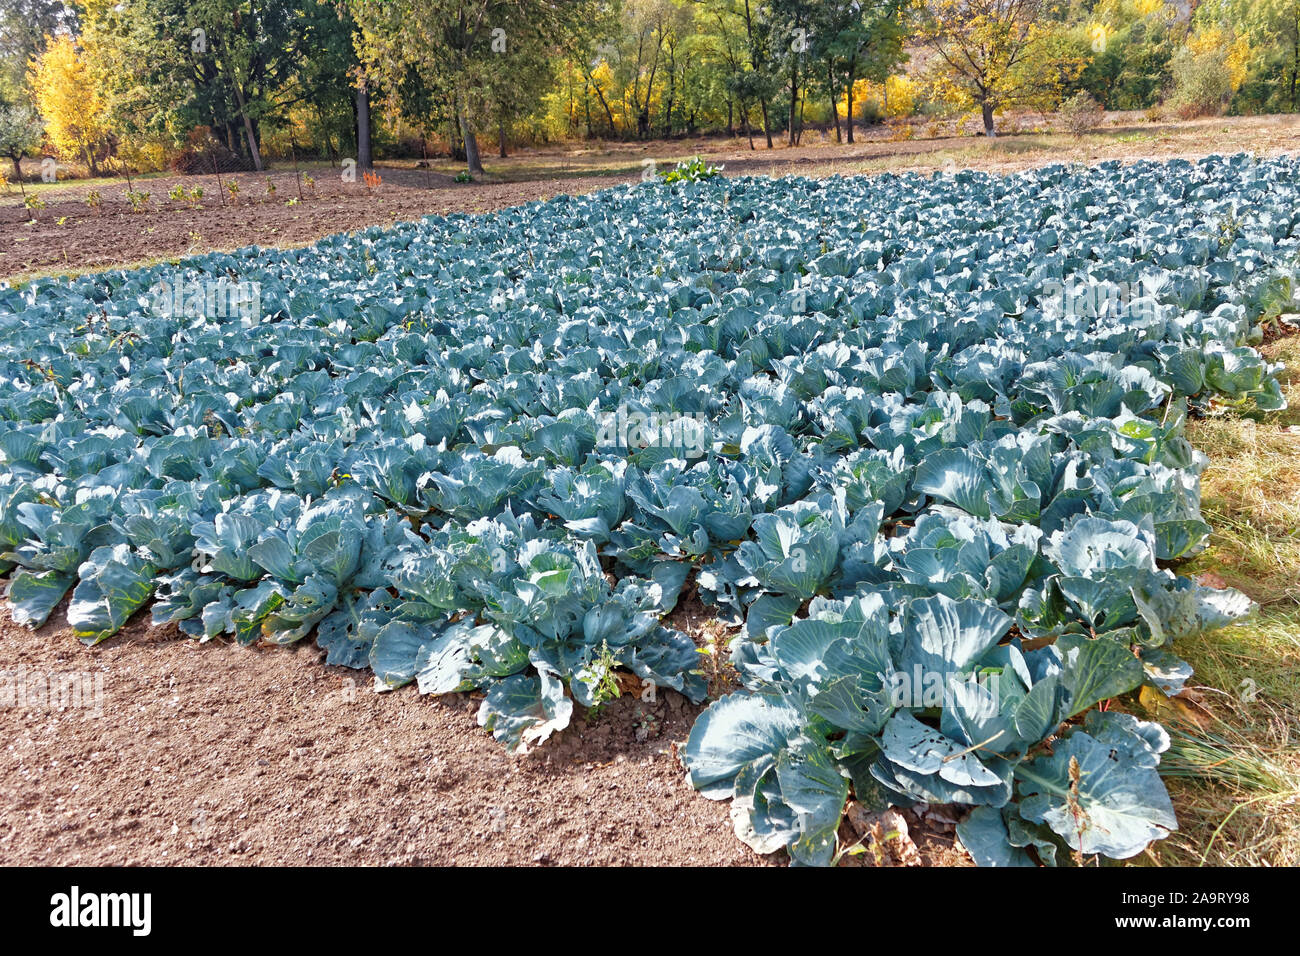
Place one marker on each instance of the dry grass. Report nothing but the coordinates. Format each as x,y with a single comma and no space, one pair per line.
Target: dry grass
1236,782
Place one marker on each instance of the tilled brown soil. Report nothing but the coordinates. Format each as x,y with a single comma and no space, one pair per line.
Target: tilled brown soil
214,754
68,235
168,228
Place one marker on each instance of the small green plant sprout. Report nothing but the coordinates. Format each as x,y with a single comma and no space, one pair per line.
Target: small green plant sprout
270,189
691,171
35,203
95,200
177,193
232,187
195,195
309,181
464,177
62,220
138,200
601,677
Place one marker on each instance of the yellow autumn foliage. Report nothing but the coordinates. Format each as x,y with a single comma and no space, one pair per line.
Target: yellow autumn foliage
895,97
69,99
1209,40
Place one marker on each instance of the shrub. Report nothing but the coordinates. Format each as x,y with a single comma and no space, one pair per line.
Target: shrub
147,157
1080,114
1207,71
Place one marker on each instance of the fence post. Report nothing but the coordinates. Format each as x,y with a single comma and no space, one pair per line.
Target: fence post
220,198
293,151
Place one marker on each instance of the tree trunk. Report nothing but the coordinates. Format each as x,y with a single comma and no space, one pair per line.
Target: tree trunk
668,113
18,167
848,114
472,160
767,126
364,159
988,119
835,106
1295,67
609,114
794,97
248,128
501,137
455,148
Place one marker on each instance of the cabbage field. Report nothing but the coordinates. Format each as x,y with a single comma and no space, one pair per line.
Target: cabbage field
919,439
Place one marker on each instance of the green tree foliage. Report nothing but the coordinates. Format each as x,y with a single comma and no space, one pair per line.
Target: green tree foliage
1273,31
1131,44
232,65
24,27
856,40
267,76
20,134
472,56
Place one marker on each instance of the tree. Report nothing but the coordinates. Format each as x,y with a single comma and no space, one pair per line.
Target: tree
981,47
68,95
20,135
1129,47
465,52
248,48
25,26
789,24
167,66
648,26
1209,70
1272,83
857,39
760,81
720,39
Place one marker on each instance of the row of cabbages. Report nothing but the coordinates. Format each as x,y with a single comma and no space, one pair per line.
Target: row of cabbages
920,437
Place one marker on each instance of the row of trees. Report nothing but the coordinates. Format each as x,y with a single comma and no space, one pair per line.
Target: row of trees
204,82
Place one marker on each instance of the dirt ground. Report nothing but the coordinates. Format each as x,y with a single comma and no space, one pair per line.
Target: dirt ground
68,235
214,754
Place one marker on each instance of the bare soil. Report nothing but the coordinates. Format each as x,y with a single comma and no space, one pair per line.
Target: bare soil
68,235
215,754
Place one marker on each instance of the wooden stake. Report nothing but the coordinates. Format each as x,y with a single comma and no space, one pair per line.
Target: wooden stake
220,188
293,151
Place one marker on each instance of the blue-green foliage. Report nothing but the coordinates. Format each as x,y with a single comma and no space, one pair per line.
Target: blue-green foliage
940,497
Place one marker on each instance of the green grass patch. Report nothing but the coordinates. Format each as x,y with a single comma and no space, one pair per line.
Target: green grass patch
1235,777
